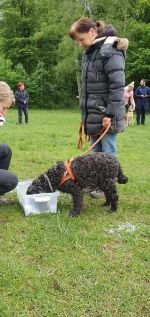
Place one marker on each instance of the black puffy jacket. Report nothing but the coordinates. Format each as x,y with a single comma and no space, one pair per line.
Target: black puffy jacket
103,82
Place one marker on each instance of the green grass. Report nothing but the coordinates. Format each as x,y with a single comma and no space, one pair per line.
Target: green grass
57,266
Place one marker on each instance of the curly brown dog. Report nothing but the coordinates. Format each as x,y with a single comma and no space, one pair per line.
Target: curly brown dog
92,171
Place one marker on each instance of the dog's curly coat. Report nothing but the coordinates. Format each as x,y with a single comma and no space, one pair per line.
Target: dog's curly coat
92,171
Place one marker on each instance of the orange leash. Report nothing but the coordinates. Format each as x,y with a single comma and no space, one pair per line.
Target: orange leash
68,174
80,142
103,132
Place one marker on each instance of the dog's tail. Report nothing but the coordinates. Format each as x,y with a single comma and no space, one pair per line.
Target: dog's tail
122,179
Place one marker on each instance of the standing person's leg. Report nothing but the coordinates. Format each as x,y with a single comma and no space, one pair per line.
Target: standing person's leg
143,115
5,156
25,110
138,115
109,143
8,181
19,114
98,146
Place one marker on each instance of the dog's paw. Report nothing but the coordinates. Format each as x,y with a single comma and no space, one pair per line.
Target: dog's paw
73,214
113,209
106,203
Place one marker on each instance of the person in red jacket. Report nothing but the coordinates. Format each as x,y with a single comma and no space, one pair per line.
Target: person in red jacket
22,99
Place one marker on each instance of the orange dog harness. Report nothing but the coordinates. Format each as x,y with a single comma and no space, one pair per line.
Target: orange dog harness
68,174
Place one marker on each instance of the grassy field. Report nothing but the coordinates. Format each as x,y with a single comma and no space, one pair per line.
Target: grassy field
96,265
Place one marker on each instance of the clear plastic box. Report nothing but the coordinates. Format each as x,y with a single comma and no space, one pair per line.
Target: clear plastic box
37,203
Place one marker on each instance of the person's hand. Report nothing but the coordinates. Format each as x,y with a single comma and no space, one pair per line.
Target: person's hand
24,102
106,122
142,96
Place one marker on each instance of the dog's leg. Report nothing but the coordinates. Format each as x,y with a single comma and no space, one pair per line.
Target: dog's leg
77,197
126,120
107,192
111,195
107,202
114,199
72,188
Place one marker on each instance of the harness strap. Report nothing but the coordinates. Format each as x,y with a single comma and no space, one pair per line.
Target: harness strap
49,183
68,174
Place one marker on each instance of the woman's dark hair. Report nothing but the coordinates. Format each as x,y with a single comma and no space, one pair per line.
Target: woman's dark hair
100,26
84,24
105,30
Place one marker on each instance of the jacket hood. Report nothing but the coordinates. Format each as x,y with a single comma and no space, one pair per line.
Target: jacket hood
121,44
109,30
108,44
114,43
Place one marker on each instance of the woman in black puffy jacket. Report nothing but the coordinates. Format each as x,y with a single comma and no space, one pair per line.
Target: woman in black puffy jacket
103,81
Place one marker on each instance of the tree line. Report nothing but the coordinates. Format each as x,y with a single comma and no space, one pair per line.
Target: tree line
35,46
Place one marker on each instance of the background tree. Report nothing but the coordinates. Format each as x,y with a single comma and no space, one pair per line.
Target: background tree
35,46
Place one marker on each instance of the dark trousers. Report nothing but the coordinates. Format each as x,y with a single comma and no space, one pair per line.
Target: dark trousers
23,109
8,180
140,115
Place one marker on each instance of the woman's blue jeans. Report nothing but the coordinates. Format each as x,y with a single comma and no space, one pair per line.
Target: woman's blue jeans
106,145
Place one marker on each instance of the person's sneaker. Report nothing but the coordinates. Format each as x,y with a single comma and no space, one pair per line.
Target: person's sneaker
4,201
96,193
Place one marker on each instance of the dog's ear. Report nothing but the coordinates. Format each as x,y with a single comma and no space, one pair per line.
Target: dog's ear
56,171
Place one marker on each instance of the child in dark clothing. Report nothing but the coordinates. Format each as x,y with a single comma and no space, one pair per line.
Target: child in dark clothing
22,99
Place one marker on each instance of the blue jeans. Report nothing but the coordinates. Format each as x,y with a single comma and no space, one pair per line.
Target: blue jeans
106,145
22,109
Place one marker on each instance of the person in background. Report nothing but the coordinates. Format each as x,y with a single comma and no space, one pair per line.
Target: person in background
22,99
102,80
142,94
8,180
128,96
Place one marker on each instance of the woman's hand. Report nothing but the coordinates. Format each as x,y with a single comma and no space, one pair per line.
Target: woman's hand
106,122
